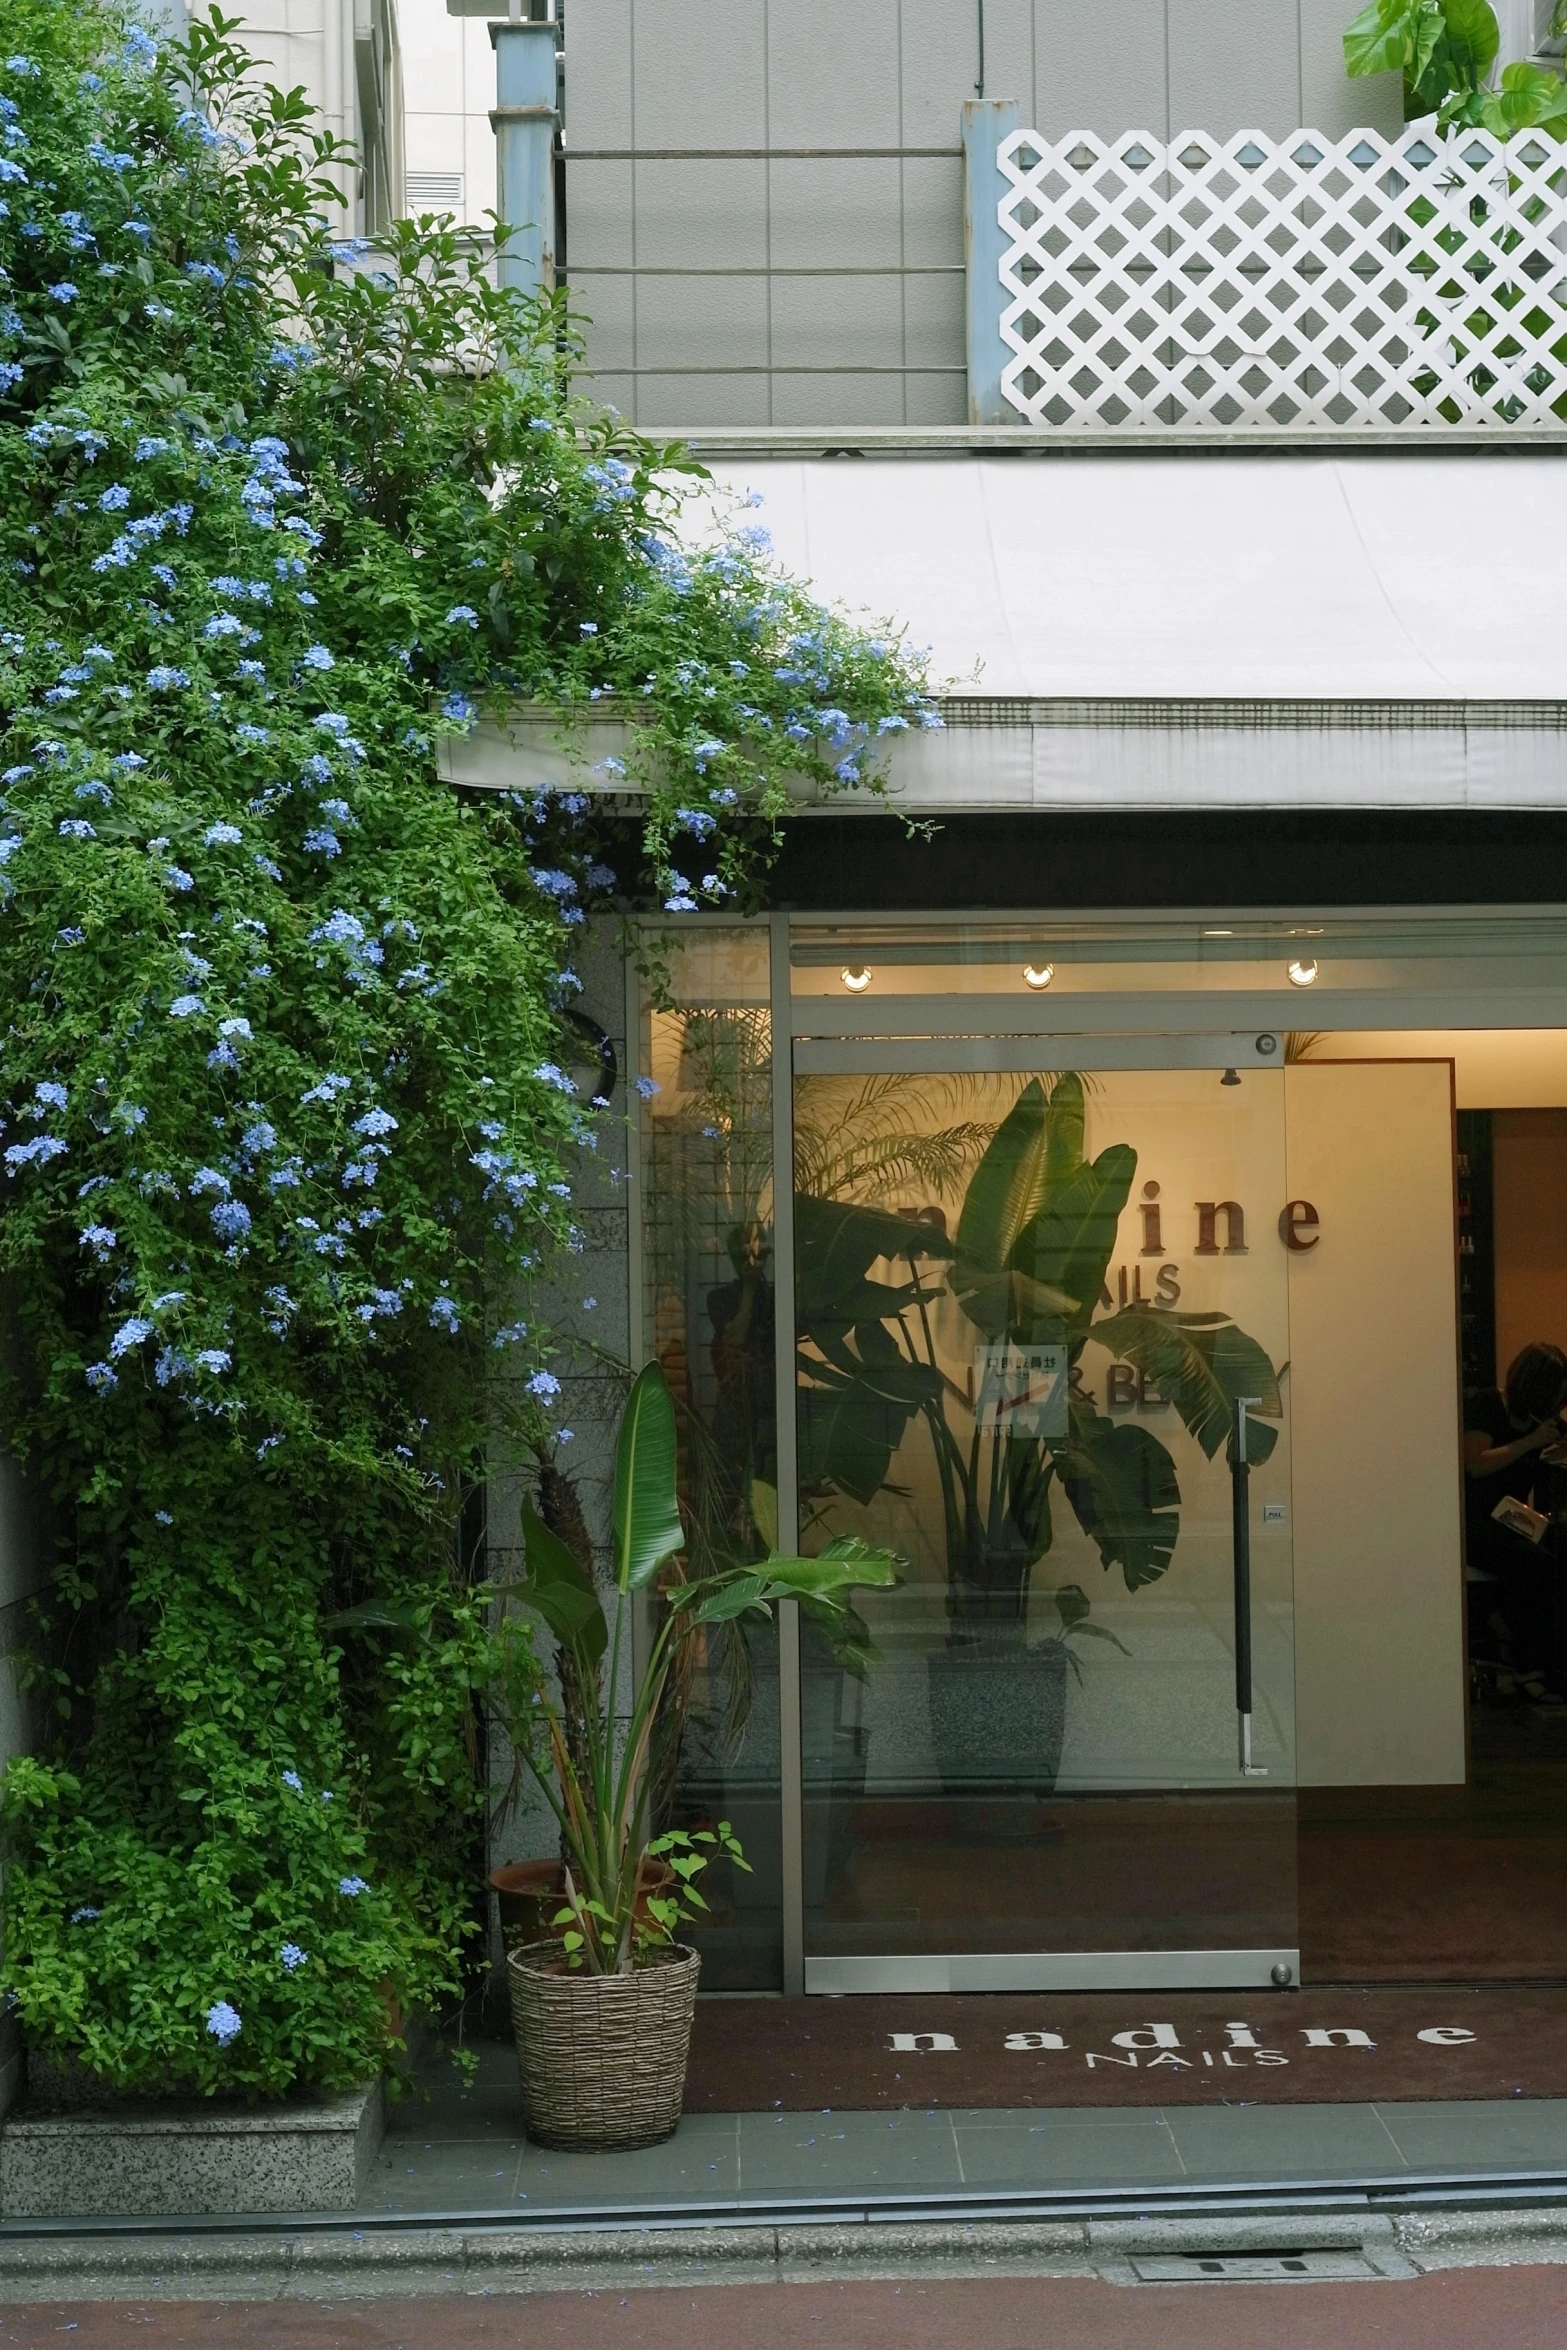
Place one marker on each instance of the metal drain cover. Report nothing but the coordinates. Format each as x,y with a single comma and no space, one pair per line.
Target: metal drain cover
1273,2268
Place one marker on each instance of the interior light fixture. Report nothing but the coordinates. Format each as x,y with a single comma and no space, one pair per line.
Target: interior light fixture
1230,1077
1218,934
856,981
1303,974
1039,974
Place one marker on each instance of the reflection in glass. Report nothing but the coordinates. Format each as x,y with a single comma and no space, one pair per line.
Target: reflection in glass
709,1249
1026,1309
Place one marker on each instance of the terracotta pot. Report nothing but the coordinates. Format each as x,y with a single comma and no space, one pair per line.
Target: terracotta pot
529,1892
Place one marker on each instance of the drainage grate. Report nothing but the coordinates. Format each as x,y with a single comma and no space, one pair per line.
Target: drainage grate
1275,2268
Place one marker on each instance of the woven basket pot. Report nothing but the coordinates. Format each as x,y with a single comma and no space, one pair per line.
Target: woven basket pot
602,2057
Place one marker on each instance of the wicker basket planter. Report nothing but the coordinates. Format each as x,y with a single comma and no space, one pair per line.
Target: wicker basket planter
602,2057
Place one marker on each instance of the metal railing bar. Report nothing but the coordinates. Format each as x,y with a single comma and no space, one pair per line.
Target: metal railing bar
753,154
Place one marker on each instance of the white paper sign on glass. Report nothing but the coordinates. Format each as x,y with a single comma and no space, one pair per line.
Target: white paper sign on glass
1021,1389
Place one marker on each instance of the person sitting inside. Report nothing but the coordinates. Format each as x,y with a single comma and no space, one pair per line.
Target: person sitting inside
1505,1433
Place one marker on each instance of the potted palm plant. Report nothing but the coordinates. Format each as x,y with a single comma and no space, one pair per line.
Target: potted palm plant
603,2014
1025,1268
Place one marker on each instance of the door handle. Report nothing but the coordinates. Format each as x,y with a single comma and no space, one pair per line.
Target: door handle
1240,1495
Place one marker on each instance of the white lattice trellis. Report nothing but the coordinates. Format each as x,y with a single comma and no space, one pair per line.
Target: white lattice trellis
1253,282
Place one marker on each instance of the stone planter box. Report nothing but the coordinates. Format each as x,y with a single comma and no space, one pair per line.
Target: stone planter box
169,2158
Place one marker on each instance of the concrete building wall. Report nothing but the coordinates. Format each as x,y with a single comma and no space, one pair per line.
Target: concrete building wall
346,56
765,199
448,90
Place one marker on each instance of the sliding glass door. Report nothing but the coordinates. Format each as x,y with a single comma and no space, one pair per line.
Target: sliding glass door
1041,1353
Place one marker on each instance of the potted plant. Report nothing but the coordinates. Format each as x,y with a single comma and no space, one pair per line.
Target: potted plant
1026,1269
603,2015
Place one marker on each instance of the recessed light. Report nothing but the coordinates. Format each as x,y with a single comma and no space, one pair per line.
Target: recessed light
1303,974
1039,974
856,981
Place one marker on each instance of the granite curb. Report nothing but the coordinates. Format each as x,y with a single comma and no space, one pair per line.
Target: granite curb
341,2264
162,2159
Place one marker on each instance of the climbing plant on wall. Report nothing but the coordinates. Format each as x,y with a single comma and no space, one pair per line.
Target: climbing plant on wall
288,1125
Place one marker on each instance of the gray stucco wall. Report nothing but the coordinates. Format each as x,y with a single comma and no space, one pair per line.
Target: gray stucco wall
730,281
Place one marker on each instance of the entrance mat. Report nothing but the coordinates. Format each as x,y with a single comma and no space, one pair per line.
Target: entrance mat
1145,2048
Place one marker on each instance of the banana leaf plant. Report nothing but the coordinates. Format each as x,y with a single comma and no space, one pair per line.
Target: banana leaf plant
1025,1268
599,1785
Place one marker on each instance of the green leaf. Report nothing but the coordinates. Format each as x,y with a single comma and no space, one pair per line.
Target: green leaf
1070,1240
1382,37
1472,38
1006,1188
843,1329
851,1423
1072,1605
558,1589
380,1615
1201,1363
1530,98
764,1510
1064,1124
647,1527
721,1603
835,1245
848,1563
845,1565
1027,1469
1087,1631
1124,1492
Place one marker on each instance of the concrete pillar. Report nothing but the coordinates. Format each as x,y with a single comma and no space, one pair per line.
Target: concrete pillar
986,122
526,120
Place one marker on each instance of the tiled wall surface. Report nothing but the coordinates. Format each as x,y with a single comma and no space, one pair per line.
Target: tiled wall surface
765,196
308,42
448,90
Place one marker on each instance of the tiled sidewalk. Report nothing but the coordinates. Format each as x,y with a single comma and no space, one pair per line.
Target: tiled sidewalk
464,2150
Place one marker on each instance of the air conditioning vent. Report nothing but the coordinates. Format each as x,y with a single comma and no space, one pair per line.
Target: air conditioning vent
433,191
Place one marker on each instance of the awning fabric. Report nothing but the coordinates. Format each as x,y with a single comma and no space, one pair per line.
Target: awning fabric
1207,629
1236,577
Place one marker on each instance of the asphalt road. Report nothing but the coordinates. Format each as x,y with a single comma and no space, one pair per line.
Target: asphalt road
1461,2309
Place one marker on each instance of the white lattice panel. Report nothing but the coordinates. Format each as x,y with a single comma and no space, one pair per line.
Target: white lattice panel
1254,282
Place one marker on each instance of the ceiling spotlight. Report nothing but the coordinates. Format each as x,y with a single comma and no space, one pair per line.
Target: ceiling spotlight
1039,974
1230,1077
1302,974
856,981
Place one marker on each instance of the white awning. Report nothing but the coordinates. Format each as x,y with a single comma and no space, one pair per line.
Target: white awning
1316,577
1174,630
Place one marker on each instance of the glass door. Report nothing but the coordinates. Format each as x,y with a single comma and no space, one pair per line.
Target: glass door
1042,1351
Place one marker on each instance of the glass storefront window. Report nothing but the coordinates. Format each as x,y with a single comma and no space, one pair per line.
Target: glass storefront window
1026,1754
1022,1344
710,1324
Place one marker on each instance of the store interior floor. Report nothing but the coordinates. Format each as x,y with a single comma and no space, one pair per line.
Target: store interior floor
1444,1884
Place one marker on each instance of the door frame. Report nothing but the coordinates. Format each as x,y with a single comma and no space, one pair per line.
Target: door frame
1012,1049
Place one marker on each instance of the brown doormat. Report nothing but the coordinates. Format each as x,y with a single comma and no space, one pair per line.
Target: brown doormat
1147,2048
